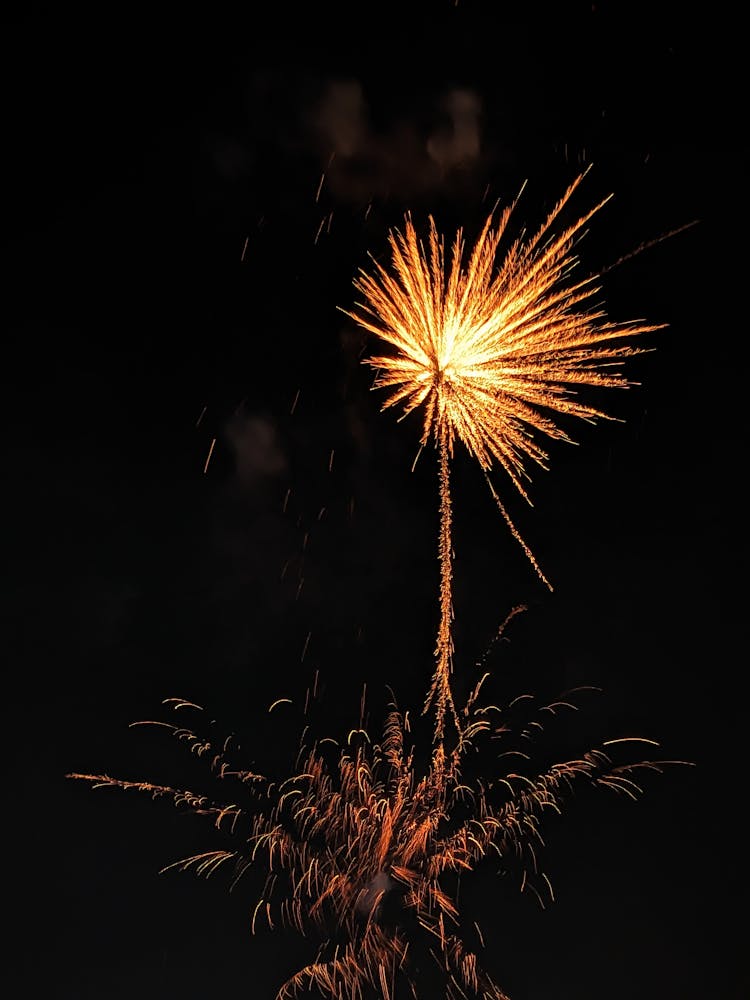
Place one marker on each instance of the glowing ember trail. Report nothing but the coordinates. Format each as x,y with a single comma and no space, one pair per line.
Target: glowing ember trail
491,352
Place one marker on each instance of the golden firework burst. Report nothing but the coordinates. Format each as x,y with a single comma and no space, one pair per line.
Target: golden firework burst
491,350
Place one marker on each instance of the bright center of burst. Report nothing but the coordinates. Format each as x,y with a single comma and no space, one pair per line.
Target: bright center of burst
445,374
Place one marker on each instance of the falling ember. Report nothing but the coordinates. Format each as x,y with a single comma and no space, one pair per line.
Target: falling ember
279,701
208,457
490,350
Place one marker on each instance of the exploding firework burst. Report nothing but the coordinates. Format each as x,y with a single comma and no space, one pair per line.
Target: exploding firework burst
492,351
364,847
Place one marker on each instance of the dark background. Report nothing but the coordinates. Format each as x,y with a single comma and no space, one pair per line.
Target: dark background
173,271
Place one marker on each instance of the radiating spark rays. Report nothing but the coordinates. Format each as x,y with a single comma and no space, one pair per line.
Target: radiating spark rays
491,350
364,847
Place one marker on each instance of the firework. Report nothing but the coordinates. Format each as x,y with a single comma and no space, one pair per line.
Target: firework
491,351
364,842
364,848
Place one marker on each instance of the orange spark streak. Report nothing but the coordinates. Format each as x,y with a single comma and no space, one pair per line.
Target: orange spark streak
208,457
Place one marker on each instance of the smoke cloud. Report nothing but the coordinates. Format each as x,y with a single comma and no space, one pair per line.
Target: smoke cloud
413,155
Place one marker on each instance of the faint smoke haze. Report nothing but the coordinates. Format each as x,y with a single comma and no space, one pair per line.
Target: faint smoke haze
342,119
458,141
407,159
255,445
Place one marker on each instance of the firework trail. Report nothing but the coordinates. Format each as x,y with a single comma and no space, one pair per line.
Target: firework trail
364,847
491,351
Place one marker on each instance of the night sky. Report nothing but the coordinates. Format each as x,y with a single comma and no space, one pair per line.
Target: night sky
203,498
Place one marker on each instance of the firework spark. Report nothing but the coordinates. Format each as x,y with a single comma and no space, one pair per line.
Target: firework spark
492,352
363,847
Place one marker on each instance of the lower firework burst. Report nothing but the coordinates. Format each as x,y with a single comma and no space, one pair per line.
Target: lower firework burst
364,847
